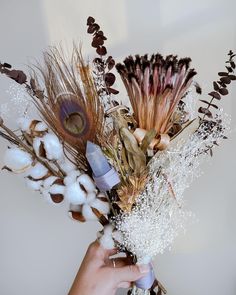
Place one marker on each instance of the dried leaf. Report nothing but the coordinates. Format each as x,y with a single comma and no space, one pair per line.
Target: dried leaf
225,80
210,104
232,77
232,63
205,111
7,65
149,136
216,86
215,95
223,91
222,74
136,157
112,91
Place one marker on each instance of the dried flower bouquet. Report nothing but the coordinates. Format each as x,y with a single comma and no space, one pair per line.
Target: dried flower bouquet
125,167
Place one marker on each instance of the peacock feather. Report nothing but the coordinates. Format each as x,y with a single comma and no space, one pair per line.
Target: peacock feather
68,101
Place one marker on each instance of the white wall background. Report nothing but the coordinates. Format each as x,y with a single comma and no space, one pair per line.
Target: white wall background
40,247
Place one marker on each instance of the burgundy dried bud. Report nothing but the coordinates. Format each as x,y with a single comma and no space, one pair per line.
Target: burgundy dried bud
91,29
98,60
18,76
110,63
109,79
90,20
101,50
97,41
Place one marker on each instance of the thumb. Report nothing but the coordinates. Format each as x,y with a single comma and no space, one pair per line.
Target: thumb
131,273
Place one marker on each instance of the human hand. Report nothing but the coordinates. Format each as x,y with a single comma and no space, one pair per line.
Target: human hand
101,275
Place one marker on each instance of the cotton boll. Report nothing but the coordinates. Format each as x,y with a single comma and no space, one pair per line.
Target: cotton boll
88,213
38,171
67,166
68,180
24,124
34,185
101,206
57,189
86,182
49,181
108,229
91,197
53,147
106,241
75,208
71,177
36,145
17,160
41,127
74,194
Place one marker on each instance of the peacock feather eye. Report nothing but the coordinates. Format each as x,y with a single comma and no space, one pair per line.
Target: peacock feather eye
73,117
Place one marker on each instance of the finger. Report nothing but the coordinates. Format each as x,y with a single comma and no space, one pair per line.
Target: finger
124,285
97,252
119,262
130,273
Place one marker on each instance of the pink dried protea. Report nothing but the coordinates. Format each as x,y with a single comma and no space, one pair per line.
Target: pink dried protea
155,87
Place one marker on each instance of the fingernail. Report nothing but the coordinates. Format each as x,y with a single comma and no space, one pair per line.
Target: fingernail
144,268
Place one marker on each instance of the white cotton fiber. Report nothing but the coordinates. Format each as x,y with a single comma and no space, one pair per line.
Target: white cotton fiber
74,194
90,197
53,147
41,126
87,182
57,189
49,181
88,213
66,165
36,145
38,171
106,239
33,184
71,177
17,160
101,206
